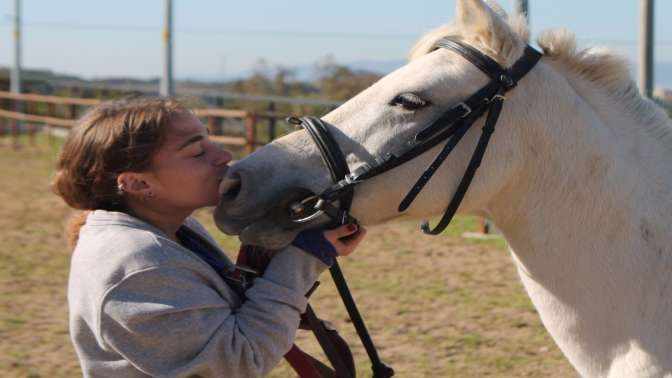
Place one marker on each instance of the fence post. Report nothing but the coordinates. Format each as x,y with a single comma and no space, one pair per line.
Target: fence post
72,108
271,121
72,111
251,132
219,125
211,125
29,108
3,121
485,226
51,112
15,125
15,134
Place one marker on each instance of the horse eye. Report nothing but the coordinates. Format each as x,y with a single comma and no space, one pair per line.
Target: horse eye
409,101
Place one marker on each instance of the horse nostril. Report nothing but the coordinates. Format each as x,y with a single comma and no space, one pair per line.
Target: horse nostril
230,187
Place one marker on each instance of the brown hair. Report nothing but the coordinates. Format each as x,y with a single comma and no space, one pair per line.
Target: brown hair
111,138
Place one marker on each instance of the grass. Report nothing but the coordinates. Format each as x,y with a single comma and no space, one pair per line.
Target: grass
435,306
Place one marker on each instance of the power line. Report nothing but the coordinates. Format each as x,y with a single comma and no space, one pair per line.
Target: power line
276,33
231,32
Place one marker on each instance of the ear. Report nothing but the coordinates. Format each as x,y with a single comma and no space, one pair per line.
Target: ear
133,183
484,26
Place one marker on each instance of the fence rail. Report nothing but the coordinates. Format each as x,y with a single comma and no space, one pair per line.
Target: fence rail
49,99
12,114
32,118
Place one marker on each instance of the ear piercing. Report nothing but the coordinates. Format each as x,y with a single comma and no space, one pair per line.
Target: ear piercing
121,189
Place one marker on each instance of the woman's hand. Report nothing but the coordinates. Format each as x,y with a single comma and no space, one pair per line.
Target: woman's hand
346,238
326,245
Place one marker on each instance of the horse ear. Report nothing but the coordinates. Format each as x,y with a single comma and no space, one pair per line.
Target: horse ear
482,24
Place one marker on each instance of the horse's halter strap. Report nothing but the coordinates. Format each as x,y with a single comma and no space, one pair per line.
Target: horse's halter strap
451,125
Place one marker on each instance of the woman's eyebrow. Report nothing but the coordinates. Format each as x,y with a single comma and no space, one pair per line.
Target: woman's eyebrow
191,140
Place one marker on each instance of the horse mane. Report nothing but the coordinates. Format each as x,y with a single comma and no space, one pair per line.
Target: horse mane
601,66
607,70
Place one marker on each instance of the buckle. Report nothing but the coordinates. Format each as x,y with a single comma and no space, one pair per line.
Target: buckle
465,107
507,81
491,99
297,208
293,121
241,277
357,172
351,179
246,269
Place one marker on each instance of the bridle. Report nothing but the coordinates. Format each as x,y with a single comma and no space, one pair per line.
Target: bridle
452,125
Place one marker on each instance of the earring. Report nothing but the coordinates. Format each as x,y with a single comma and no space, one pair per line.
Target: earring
120,189
150,195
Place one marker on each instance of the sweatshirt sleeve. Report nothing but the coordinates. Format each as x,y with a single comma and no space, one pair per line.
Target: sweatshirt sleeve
170,321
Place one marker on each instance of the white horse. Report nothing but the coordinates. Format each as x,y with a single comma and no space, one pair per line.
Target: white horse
578,177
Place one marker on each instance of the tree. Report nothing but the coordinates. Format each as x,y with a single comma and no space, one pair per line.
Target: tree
338,82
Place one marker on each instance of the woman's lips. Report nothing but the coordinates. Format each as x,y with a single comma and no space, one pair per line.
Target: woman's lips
222,174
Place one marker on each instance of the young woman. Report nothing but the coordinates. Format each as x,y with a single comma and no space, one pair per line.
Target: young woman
143,299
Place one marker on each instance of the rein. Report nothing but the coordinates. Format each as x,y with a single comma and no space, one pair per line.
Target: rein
335,201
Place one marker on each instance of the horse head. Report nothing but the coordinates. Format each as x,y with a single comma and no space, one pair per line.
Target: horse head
380,120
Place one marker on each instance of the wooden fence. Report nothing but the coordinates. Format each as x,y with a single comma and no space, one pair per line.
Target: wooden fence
62,112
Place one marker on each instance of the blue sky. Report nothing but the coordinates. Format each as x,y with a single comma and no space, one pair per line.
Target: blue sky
219,39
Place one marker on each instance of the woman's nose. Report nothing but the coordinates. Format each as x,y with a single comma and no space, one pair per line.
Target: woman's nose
223,156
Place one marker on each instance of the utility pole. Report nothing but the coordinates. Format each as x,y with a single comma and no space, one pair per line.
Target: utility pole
15,76
521,7
166,88
646,48
15,79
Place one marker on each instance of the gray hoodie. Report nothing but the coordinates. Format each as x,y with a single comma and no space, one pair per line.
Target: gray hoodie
142,305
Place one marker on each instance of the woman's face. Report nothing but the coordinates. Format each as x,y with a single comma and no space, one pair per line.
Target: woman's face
187,169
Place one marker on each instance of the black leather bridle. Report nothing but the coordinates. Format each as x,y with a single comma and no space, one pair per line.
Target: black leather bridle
451,126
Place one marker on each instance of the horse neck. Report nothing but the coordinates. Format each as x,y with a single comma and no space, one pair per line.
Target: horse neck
584,158
587,218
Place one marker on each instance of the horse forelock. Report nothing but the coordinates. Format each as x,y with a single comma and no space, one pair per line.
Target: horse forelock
503,45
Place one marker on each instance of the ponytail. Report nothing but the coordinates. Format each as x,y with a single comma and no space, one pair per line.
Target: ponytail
75,223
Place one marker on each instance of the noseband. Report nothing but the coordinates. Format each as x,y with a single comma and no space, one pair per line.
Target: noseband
452,125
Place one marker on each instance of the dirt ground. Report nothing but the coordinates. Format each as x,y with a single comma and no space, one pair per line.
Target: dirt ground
435,306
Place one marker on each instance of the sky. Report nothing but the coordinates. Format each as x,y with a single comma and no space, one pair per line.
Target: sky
223,39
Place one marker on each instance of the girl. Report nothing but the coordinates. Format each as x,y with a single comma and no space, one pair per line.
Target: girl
143,300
